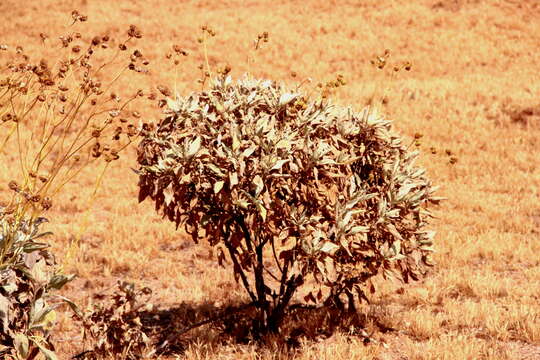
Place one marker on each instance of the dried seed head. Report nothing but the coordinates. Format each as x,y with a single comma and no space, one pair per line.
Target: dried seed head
46,203
7,117
179,50
96,40
131,130
96,150
13,186
407,66
164,90
122,47
134,32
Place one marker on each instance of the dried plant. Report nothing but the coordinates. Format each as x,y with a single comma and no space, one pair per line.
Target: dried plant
27,277
57,116
115,327
292,190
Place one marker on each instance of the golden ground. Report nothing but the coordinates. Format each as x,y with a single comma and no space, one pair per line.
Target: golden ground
474,89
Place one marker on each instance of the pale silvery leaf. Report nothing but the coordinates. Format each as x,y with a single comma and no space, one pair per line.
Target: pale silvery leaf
283,144
218,186
404,190
262,211
215,170
168,194
329,248
193,147
287,98
233,179
259,185
266,84
279,164
4,312
247,153
392,229
21,344
358,229
174,105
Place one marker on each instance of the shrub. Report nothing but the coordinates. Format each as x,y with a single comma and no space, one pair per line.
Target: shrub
292,189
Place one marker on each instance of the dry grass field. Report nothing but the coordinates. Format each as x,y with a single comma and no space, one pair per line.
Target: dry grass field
474,89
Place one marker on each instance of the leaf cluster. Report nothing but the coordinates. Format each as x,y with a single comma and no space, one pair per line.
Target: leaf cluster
28,276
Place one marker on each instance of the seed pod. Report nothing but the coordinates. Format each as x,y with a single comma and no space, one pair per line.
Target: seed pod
164,90
46,203
13,186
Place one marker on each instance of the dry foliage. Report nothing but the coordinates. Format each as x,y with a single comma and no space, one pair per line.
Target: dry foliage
267,174
114,327
27,279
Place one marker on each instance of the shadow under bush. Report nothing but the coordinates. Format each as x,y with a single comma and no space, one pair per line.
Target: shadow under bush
126,327
174,329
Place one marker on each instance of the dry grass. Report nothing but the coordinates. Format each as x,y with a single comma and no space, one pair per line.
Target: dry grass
473,61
